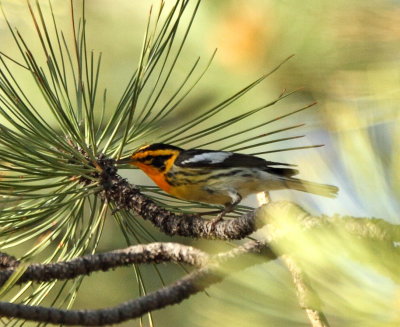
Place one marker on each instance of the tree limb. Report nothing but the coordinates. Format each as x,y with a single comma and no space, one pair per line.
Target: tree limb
137,254
193,283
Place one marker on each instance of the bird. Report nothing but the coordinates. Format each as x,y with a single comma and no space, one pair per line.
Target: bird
217,177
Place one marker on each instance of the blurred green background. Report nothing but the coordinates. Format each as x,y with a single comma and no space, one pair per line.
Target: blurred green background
346,59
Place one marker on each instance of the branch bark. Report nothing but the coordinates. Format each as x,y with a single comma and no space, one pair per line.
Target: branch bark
137,254
193,283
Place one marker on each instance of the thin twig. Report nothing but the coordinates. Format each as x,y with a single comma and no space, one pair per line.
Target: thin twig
308,298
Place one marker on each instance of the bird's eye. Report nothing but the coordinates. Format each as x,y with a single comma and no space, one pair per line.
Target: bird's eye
146,160
159,162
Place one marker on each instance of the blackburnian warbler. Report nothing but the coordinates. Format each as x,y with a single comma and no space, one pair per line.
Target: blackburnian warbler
217,177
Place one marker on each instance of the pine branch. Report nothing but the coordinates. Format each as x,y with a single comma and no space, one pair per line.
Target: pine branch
138,254
191,284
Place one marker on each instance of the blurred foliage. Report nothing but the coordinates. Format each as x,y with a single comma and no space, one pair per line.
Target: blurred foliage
346,58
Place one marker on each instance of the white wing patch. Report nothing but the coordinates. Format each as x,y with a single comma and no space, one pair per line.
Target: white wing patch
210,157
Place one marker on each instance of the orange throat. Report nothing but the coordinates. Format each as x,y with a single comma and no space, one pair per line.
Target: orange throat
156,176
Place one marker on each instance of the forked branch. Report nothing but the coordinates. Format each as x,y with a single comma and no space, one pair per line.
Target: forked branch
210,273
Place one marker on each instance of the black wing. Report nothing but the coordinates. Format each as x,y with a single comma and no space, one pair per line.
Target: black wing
197,158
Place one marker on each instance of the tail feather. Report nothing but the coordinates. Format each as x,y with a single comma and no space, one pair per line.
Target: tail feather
329,191
286,172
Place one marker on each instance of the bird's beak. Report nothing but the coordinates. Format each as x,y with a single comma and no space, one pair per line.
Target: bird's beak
126,160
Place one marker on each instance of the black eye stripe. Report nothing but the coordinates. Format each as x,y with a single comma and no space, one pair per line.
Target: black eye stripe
146,158
156,161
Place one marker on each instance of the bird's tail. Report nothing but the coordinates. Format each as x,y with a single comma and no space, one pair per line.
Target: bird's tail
329,191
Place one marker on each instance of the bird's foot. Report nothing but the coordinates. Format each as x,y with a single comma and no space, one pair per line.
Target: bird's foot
217,219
